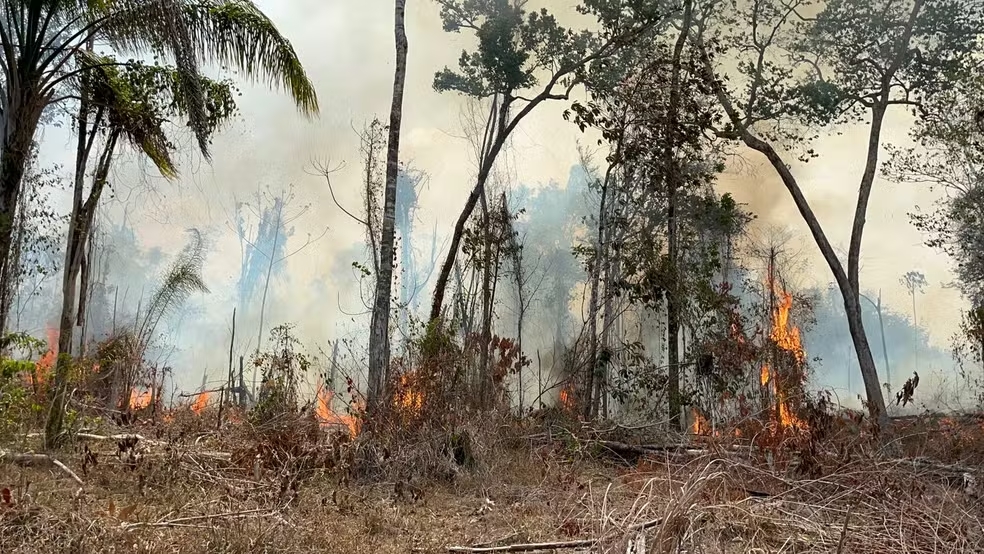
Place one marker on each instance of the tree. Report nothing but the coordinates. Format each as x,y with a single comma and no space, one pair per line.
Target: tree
515,48
852,62
379,340
651,103
914,282
42,41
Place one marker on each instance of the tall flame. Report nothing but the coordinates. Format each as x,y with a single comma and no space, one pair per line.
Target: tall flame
44,365
201,401
328,418
786,337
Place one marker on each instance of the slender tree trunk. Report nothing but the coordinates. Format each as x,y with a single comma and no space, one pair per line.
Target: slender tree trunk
379,344
876,401
484,376
592,388
881,328
672,176
79,228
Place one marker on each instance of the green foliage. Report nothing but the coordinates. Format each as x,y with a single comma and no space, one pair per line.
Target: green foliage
280,368
138,101
516,47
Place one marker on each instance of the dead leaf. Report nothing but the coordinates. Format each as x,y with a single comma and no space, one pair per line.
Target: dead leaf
112,509
125,513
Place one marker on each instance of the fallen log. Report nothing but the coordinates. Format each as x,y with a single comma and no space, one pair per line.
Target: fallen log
29,459
555,545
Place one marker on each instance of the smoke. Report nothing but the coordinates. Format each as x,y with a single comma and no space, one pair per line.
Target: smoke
347,48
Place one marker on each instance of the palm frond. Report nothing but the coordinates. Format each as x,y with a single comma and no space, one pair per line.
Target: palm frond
183,279
237,34
162,27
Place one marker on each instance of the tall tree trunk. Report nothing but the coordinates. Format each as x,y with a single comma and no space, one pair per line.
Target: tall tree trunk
496,141
849,292
484,377
18,125
591,387
79,228
672,175
379,345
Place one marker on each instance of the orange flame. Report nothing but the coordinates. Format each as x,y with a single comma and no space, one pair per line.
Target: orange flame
787,338
408,397
328,418
566,399
700,425
44,365
201,401
139,401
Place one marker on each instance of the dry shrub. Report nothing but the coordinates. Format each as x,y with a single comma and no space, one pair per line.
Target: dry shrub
431,427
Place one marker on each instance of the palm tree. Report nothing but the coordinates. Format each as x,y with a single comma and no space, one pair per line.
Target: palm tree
42,40
122,105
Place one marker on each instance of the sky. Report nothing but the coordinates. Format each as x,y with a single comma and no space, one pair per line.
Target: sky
347,48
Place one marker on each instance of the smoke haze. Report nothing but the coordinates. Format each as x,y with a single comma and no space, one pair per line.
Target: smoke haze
347,48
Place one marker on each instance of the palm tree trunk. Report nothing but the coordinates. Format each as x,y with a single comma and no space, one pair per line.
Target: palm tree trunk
19,123
379,344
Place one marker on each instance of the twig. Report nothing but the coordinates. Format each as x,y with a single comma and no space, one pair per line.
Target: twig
30,458
532,547
843,537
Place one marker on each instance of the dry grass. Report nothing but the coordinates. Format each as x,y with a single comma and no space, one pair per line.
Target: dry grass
294,488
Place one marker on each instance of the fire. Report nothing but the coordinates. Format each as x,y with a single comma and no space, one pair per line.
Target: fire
566,399
44,365
328,418
409,397
139,401
700,425
201,401
787,338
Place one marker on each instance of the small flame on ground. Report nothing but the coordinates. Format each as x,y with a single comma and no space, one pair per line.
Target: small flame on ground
328,418
201,401
408,396
139,401
700,425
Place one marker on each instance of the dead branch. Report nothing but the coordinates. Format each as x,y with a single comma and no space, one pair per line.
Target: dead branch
183,521
532,547
27,459
555,545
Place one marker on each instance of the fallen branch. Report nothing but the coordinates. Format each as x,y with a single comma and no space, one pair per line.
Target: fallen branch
182,521
555,545
129,436
27,459
532,547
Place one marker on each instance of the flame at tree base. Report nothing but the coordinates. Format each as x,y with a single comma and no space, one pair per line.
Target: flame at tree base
328,418
786,337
